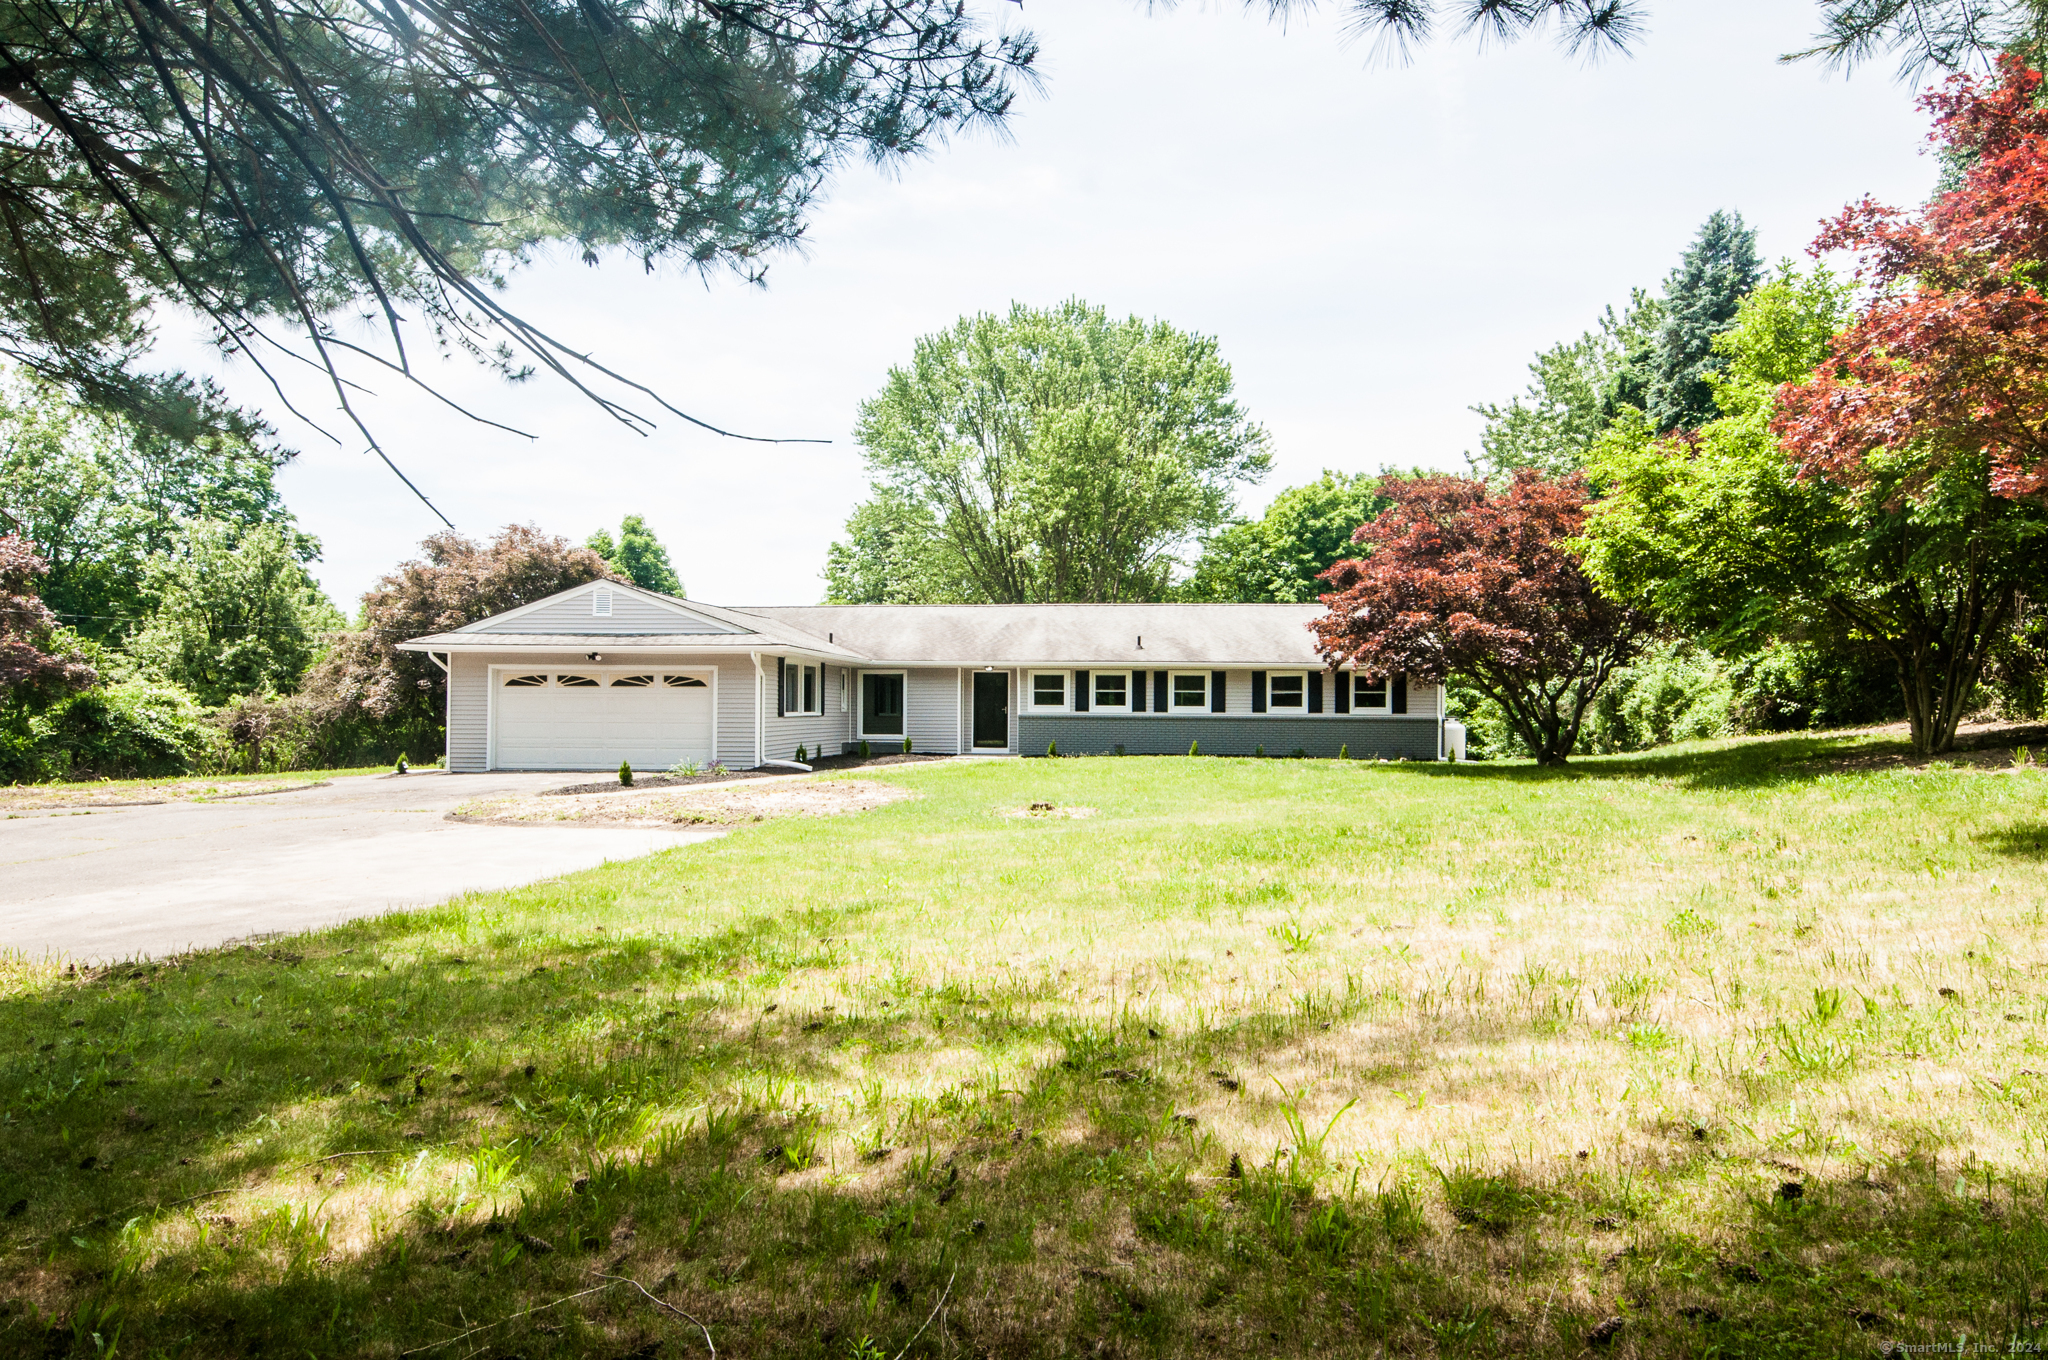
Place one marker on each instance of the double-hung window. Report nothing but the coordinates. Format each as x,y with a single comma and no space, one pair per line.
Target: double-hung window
800,690
1049,689
1112,689
1287,689
1191,689
1369,693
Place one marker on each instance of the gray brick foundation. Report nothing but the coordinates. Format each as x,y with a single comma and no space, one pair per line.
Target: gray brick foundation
1228,734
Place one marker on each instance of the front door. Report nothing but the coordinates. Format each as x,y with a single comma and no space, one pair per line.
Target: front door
881,705
992,710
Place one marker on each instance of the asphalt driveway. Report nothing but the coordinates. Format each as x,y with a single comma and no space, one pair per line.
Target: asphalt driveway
121,882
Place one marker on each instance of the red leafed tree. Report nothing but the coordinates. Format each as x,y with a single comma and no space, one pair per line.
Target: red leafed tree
1460,580
1931,413
1948,364
365,677
27,666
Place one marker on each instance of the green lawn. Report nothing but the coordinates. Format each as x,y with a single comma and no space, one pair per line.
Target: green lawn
1250,1057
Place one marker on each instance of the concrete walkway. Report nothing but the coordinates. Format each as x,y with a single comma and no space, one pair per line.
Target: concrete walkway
122,882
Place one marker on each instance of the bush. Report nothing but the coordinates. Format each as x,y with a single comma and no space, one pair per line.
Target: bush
626,773
126,731
2016,675
1796,686
1674,692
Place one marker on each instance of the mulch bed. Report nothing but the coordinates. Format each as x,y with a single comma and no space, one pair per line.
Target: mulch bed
823,765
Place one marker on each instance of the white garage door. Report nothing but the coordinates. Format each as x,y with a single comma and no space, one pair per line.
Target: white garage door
594,718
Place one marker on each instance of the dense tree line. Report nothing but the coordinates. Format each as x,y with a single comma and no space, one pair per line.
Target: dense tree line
158,614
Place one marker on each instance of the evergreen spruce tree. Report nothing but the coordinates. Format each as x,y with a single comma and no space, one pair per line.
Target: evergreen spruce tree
1700,299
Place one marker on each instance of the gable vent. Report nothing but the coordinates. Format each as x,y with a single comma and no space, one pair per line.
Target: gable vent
601,603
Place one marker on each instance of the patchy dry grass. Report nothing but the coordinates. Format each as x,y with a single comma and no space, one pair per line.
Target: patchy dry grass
111,793
1705,1052
720,805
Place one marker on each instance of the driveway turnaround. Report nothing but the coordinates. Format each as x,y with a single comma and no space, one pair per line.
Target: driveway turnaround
122,882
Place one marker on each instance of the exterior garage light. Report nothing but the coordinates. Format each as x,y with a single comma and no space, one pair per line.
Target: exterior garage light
596,656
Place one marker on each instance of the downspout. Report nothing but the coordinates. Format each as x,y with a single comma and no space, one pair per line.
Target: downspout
760,729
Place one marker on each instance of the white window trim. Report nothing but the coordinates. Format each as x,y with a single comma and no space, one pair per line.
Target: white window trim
1095,703
1271,676
860,714
1173,704
1384,707
817,692
1066,703
493,683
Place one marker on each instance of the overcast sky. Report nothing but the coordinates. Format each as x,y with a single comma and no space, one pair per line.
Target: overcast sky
1375,248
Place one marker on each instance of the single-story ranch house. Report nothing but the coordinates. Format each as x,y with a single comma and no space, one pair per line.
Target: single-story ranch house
607,672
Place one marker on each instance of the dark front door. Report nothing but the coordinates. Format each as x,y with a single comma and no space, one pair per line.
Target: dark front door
992,709
881,705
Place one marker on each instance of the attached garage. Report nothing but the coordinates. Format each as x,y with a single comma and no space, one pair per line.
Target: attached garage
593,718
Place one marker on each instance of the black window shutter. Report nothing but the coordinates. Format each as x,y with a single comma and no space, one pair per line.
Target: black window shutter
1400,704
781,688
1315,691
1161,697
1258,691
1137,691
1342,680
1217,690
1080,691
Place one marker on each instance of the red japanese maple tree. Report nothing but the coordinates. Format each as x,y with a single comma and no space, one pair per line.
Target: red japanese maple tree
1949,361
1931,412
1461,580
27,666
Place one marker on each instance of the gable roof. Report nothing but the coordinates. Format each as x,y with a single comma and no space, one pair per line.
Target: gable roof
1078,635
641,620
1053,634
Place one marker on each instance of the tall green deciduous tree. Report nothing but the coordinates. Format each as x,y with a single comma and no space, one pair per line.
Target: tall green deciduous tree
234,613
99,494
1046,455
1735,542
272,165
637,555
1700,300
1573,391
1278,556
889,556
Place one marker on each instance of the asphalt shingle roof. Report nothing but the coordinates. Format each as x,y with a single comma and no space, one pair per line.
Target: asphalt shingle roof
1081,634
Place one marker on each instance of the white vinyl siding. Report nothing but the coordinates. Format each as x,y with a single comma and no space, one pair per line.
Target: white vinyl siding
631,613
818,733
469,714
931,709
